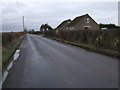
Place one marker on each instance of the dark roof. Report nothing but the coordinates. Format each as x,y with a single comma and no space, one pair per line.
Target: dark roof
76,20
64,23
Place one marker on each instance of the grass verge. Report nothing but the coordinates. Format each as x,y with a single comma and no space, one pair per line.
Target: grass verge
9,51
107,52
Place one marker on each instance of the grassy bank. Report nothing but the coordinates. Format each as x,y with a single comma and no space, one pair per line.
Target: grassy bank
107,52
8,51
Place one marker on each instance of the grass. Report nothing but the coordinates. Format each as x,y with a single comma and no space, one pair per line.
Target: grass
9,50
107,52
41,34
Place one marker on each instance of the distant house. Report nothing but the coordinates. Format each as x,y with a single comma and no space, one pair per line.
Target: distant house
83,22
63,25
45,27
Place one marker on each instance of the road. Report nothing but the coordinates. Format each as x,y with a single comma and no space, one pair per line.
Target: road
45,63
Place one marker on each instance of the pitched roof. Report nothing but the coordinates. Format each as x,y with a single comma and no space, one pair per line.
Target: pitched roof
65,23
76,20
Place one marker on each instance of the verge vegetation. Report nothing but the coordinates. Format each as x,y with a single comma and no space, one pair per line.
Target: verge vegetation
10,42
106,42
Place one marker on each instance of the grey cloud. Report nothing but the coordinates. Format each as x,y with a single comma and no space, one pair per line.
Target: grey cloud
12,27
54,13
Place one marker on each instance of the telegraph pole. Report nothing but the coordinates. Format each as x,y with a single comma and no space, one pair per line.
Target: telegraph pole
119,13
23,23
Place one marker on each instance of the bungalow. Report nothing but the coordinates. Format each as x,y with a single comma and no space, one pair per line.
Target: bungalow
63,25
83,22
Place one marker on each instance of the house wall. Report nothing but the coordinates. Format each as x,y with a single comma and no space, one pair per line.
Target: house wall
63,26
82,23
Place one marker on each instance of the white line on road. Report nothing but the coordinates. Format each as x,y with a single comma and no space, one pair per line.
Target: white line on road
5,73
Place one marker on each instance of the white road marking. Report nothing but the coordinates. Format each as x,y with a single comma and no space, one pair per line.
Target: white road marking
10,65
5,73
16,55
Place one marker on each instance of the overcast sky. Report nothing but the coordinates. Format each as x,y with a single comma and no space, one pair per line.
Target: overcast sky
53,13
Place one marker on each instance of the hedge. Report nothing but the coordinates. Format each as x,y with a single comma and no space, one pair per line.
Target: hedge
107,39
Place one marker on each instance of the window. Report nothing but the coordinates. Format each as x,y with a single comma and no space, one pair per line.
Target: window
87,20
67,28
87,27
72,28
68,22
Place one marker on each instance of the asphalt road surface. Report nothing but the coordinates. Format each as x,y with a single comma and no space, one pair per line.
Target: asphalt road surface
45,63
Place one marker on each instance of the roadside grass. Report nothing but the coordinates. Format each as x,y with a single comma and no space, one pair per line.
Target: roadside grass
8,51
41,34
103,51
